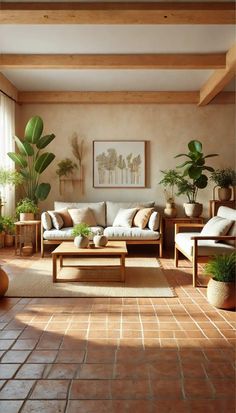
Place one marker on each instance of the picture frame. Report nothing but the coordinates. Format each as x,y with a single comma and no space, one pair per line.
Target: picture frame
119,164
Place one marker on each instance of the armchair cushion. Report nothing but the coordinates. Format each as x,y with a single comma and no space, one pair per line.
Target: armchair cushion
229,213
205,247
217,226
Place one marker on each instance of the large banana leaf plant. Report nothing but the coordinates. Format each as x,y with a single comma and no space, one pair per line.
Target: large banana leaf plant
193,176
30,160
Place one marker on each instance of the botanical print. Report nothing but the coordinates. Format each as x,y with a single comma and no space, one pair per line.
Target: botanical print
119,163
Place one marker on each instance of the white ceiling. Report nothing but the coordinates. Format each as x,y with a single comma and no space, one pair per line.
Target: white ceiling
113,39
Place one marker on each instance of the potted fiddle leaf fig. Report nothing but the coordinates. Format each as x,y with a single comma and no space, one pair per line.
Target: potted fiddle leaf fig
224,179
31,162
193,176
81,232
221,287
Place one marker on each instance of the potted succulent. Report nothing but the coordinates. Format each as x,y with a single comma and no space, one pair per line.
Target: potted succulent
30,160
224,178
193,177
221,287
169,182
9,228
81,232
26,209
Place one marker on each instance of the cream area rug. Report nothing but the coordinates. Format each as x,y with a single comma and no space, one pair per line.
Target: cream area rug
33,278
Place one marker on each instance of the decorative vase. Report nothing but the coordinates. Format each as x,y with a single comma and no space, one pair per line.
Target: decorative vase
170,211
26,216
221,294
81,242
224,194
193,210
4,282
100,240
9,240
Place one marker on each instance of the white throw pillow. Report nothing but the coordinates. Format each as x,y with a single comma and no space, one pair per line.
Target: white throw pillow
125,217
46,221
216,227
154,221
56,219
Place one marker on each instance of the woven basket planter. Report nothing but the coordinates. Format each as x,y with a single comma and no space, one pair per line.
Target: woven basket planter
221,294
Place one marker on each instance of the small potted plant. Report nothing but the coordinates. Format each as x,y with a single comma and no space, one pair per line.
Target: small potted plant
81,232
221,287
224,178
9,228
193,177
169,182
100,240
26,209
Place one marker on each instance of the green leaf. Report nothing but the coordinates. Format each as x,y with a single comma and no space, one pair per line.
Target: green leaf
34,129
43,161
184,164
18,159
182,154
201,182
195,146
42,191
25,174
211,155
45,140
24,147
194,172
209,168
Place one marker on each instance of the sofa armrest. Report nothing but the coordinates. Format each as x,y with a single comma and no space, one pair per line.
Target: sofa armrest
186,225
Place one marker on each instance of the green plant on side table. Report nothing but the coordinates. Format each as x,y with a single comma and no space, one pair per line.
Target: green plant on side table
193,177
26,209
30,161
81,232
221,287
169,182
224,178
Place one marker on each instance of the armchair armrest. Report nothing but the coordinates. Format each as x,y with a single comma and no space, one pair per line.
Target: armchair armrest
186,225
217,238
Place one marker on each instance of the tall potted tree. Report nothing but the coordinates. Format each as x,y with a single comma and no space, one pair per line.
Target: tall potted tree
193,176
31,162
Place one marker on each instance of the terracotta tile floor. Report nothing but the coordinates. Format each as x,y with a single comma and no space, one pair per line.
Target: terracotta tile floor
114,355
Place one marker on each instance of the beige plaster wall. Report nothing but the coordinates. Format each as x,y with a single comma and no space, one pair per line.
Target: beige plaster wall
167,128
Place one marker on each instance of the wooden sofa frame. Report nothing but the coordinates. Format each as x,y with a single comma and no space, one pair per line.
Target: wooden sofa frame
158,242
195,258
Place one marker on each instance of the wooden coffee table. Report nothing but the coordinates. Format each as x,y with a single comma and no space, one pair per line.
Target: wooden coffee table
68,249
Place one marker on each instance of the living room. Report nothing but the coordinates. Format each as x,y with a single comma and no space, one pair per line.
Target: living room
134,87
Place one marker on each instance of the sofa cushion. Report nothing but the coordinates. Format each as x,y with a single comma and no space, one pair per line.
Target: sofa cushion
205,247
80,215
141,217
46,221
65,233
98,209
124,217
134,233
66,217
113,208
57,220
154,221
217,226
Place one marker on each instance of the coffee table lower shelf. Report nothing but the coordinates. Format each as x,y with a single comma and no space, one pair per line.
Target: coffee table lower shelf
116,249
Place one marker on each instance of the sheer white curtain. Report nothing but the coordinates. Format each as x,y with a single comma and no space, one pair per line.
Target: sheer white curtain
7,131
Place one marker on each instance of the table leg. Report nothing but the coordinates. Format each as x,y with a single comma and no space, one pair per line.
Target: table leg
61,261
21,227
122,268
16,239
54,268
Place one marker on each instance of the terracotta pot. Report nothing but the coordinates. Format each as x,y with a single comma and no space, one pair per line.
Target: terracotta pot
193,210
9,240
170,211
100,240
26,216
224,194
221,294
4,282
81,242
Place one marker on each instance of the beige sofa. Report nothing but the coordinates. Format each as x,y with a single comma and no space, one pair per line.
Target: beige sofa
105,213
218,237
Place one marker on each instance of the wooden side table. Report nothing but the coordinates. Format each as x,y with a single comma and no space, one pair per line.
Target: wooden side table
169,228
20,234
214,205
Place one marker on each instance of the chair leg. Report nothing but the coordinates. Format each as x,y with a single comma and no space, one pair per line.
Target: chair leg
160,250
42,249
176,258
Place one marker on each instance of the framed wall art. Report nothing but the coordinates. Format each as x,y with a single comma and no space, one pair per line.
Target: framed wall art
119,164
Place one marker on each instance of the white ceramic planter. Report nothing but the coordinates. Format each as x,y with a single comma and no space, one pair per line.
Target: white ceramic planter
81,242
100,240
221,294
193,210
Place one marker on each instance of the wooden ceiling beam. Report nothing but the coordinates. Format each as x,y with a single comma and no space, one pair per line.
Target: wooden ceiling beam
219,79
118,13
8,88
113,61
118,97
